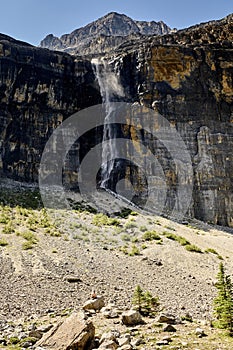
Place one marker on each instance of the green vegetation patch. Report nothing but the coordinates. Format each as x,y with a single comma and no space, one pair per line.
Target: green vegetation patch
3,243
150,236
183,241
193,248
104,220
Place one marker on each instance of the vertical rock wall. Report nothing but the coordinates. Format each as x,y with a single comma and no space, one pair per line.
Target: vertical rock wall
38,90
192,89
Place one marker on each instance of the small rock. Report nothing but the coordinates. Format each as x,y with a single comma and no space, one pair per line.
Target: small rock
109,344
123,341
32,327
3,341
200,332
131,318
109,313
184,344
137,342
113,335
45,328
36,334
168,339
166,318
73,279
169,328
125,347
162,342
27,344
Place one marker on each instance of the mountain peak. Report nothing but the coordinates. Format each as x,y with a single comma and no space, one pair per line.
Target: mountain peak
113,28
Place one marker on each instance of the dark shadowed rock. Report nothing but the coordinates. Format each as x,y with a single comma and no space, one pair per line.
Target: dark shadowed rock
166,318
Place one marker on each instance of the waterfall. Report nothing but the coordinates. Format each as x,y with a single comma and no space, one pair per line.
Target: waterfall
110,89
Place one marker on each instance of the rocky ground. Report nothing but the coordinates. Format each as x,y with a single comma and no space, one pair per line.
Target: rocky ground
50,269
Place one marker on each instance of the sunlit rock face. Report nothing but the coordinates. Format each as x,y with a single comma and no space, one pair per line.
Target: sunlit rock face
191,86
185,76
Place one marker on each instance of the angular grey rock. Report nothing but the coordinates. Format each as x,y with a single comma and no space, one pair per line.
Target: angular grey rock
113,335
72,333
94,304
109,344
131,318
123,341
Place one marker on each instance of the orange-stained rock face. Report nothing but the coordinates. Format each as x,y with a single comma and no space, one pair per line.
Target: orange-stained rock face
171,65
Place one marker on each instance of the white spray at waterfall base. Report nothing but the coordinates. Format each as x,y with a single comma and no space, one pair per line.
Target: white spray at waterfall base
110,90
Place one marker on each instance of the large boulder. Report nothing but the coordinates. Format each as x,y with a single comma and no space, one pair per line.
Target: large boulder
74,333
131,318
94,304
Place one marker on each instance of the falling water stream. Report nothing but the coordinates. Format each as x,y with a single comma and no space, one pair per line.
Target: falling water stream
111,90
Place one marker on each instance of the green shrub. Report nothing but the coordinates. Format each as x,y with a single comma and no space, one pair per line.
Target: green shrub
124,249
143,228
14,340
220,257
187,317
4,219
130,224
8,228
3,243
193,248
27,245
150,236
54,233
29,236
134,250
157,223
104,220
211,250
183,241
125,237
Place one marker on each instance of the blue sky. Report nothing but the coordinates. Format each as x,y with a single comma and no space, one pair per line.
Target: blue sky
31,20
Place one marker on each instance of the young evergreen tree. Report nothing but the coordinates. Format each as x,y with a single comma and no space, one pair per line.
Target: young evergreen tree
150,303
138,298
145,303
223,303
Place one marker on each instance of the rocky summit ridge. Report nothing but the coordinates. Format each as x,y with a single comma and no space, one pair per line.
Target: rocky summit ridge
107,32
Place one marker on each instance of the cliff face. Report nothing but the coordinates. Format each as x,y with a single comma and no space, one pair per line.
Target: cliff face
186,79
39,88
192,88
